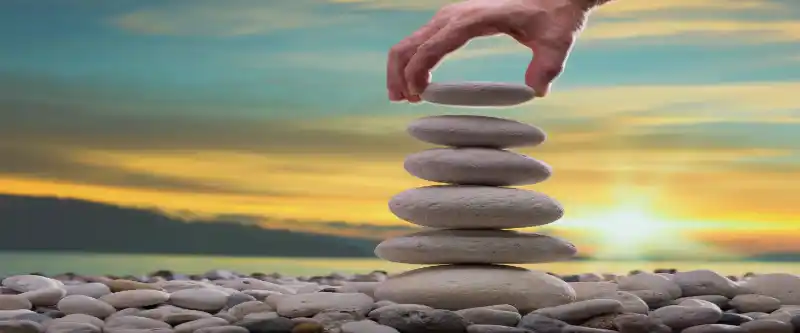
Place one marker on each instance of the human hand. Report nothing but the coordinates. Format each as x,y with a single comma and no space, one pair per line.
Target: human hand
548,27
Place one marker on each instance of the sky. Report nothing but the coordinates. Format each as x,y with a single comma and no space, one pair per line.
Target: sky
674,128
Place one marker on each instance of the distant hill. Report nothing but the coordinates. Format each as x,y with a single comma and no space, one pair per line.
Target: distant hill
56,224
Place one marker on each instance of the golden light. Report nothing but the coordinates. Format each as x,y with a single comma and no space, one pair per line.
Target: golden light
634,229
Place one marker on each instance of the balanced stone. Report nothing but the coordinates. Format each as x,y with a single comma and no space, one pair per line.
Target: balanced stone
477,94
475,131
456,287
475,207
476,166
452,246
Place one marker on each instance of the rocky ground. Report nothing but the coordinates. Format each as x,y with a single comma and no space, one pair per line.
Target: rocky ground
220,301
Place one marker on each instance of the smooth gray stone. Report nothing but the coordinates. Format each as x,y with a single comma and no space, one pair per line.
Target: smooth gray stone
477,94
475,207
476,166
454,246
475,131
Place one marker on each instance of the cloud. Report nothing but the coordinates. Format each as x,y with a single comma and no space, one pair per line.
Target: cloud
614,21
695,30
229,18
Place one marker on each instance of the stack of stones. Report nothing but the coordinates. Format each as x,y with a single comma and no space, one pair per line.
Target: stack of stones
464,221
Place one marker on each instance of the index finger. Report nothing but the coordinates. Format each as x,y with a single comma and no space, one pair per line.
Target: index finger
401,53
431,52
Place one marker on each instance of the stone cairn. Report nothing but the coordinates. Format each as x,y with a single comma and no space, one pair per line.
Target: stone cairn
465,221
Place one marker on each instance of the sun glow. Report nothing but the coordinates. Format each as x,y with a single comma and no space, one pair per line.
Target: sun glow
636,229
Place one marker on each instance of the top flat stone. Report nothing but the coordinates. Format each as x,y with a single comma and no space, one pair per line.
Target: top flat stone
477,94
475,131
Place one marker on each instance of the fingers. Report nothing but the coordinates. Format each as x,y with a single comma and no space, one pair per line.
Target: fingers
548,63
399,57
432,51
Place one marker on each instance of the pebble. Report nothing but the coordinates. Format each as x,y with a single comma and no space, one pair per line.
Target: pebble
490,316
238,298
715,328
32,316
246,284
448,246
86,305
241,310
26,283
307,305
755,303
366,326
80,318
721,301
309,328
592,290
91,289
456,287
475,131
638,323
135,322
268,325
203,299
476,166
768,326
415,321
364,287
223,329
135,298
681,317
14,302
394,307
20,326
705,282
190,327
733,319
44,296
477,94
653,299
541,324
782,286
651,282
73,327
123,285
581,329
10,314
478,328
756,315
630,302
464,206
581,311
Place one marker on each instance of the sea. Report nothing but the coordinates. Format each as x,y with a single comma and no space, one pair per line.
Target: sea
139,264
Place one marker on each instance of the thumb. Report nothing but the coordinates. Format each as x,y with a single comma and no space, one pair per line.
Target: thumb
548,62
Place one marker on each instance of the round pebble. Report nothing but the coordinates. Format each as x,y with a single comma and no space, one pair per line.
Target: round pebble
449,246
456,287
86,305
476,166
475,207
14,302
203,299
475,131
477,94
135,298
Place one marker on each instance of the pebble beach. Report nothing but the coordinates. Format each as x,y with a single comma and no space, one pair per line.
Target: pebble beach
222,301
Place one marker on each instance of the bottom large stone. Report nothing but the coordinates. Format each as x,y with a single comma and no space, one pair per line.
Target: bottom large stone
455,287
